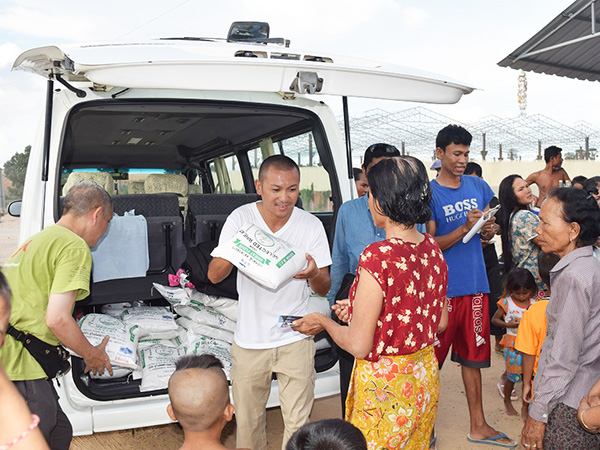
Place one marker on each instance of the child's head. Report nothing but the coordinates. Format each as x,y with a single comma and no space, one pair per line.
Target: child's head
546,262
330,434
520,285
199,393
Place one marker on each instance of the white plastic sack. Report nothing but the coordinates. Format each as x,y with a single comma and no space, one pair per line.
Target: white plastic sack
226,306
122,345
199,329
157,321
158,364
205,315
118,372
175,295
261,256
220,349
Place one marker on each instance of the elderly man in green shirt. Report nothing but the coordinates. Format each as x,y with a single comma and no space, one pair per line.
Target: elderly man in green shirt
47,275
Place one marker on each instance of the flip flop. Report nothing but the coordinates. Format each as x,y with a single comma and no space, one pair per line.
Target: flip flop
513,395
493,440
433,442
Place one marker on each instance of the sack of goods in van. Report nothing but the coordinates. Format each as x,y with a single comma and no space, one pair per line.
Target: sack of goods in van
200,329
158,364
261,256
220,349
122,344
153,321
204,315
178,296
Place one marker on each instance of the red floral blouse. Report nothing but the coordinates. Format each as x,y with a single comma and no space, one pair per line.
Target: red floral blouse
413,278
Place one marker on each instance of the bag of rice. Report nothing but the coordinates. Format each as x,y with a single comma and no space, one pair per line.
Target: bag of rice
158,364
118,372
122,345
157,321
205,315
175,295
261,256
226,306
220,349
200,329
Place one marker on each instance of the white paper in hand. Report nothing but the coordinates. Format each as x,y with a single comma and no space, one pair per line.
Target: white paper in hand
480,223
261,256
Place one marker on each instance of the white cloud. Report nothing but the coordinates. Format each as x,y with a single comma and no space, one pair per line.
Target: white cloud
8,54
414,17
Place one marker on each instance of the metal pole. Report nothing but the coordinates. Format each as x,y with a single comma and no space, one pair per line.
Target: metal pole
348,144
500,158
2,195
310,151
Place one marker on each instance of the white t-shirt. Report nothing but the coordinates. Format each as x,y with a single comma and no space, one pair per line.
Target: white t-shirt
260,307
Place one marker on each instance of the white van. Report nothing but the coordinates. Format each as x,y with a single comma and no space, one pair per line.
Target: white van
175,129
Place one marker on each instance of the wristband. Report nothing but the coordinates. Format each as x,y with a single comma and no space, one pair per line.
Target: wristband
585,427
34,423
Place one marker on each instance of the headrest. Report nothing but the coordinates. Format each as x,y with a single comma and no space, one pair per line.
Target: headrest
162,183
102,179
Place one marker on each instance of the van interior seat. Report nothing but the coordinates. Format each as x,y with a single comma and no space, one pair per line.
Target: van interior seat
136,187
194,189
207,214
165,247
102,179
165,183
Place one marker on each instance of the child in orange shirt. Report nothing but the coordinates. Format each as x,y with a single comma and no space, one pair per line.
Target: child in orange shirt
532,331
519,293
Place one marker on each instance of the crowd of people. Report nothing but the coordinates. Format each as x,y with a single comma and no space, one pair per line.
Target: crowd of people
413,275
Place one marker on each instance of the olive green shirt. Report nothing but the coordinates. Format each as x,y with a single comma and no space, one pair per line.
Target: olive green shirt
54,261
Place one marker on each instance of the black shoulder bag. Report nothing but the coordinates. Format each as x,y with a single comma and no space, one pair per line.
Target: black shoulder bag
54,359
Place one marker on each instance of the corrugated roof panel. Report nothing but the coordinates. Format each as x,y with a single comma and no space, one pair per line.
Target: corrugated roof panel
579,60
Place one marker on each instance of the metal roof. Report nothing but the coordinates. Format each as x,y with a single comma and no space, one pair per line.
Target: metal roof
569,46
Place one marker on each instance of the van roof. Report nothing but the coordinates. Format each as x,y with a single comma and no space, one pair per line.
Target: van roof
232,66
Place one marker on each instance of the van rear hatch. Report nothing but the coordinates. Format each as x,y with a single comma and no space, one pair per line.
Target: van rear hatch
220,66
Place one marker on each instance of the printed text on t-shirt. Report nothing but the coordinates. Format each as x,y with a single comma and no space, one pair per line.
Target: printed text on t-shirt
457,210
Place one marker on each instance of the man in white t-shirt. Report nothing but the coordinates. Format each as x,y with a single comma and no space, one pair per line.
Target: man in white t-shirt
261,348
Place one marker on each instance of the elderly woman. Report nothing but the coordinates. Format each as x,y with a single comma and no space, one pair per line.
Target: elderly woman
520,244
395,307
570,360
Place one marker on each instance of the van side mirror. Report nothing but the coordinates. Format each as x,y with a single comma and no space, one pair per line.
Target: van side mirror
14,208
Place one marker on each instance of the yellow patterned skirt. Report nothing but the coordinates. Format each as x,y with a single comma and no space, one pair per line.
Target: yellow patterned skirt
394,401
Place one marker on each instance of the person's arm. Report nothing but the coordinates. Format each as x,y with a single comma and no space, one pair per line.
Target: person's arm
448,240
532,179
588,416
218,270
566,176
357,337
445,317
60,320
15,418
498,319
528,361
339,257
318,278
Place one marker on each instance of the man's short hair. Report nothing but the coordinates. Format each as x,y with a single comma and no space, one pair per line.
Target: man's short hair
453,134
378,151
279,162
356,173
551,152
474,168
327,434
198,391
85,197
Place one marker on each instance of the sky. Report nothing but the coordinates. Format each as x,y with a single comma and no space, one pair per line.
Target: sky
462,39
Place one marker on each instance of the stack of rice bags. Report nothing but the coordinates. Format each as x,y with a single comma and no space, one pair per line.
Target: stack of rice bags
208,322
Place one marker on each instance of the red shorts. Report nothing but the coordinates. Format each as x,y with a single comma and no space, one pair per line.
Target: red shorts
468,332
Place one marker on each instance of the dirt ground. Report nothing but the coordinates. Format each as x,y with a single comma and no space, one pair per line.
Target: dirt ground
452,423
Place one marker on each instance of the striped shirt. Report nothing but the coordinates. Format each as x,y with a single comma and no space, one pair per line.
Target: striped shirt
570,360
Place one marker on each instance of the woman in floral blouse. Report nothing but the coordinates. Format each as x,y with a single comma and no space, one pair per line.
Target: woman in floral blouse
520,246
394,310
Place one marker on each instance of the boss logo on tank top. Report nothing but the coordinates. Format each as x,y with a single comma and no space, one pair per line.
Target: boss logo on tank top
455,211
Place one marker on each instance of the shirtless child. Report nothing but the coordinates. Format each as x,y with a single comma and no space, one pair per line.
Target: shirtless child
200,401
549,176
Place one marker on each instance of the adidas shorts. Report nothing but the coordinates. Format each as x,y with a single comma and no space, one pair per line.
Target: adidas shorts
468,332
